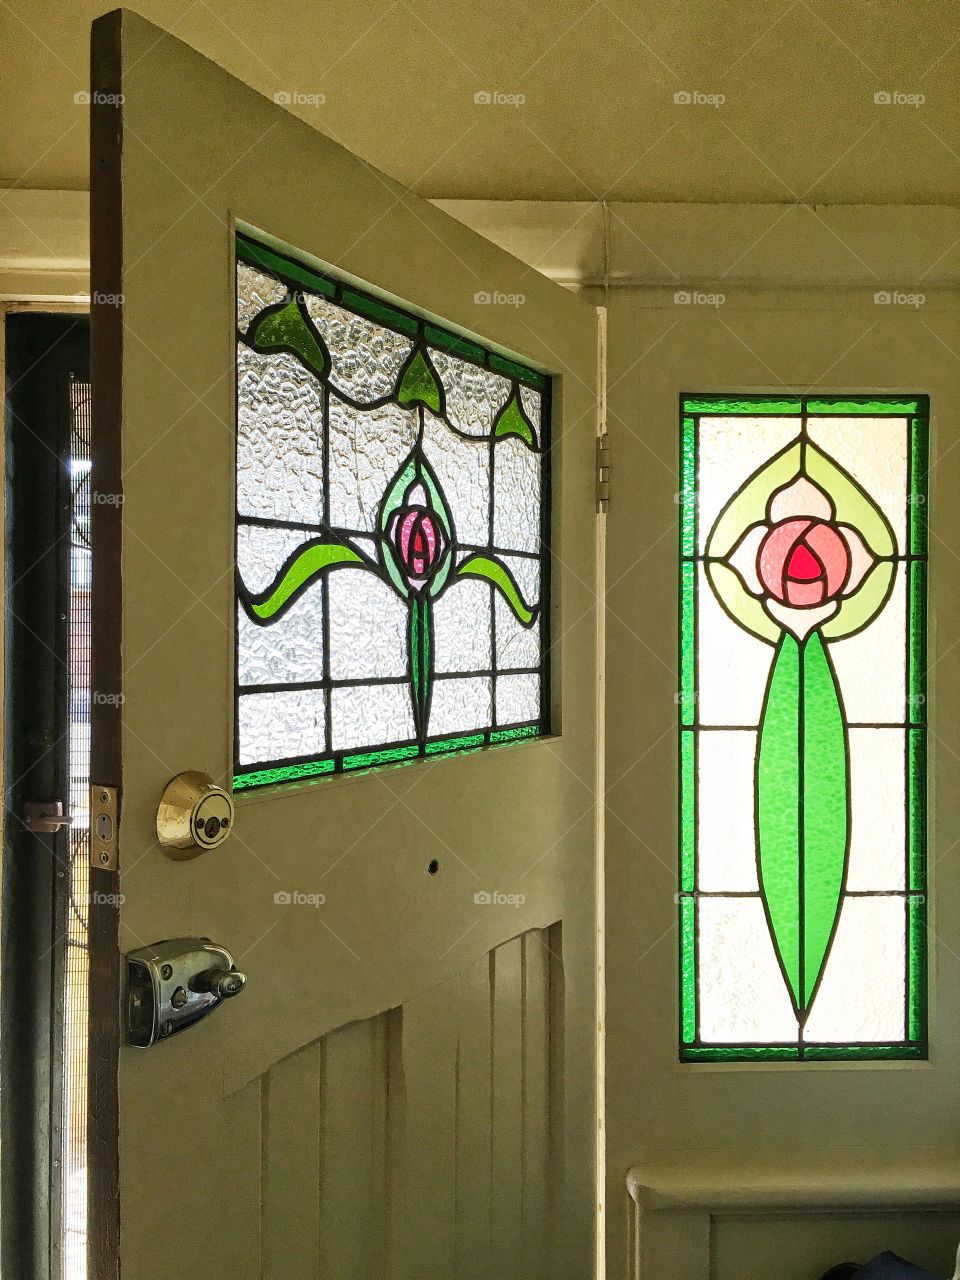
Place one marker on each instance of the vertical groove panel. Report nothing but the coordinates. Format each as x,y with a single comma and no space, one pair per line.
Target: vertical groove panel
241,1181
535,1114
292,1168
426,1199
506,1117
415,1144
354,1150
474,1155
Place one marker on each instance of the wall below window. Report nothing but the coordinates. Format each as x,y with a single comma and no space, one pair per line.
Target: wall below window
829,1161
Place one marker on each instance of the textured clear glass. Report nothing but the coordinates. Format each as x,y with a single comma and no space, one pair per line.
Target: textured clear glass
255,290
366,450
459,704
376,588
279,438
803,705
367,627
363,715
366,357
461,628
474,396
463,469
516,507
281,725
517,645
518,699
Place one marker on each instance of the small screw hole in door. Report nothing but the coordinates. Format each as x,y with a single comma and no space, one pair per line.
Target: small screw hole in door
433,866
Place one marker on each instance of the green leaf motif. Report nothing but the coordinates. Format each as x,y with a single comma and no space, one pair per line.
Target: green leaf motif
289,328
478,566
419,383
802,827
513,421
300,571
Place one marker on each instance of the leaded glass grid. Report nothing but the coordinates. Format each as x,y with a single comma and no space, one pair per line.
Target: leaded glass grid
392,531
802,761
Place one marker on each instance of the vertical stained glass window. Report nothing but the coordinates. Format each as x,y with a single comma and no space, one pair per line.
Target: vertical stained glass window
392,528
802,904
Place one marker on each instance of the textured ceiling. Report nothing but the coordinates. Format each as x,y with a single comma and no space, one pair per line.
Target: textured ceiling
598,118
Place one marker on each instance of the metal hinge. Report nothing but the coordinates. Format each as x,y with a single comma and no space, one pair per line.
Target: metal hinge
603,472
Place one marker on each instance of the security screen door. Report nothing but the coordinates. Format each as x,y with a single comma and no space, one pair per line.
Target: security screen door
345,565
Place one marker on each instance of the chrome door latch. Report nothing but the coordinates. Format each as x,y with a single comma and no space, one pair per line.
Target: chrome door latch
174,984
44,816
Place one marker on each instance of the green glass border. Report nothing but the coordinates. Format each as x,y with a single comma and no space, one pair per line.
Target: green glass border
729,404
917,973
391,755
864,406
688,926
252,251
747,406
688,816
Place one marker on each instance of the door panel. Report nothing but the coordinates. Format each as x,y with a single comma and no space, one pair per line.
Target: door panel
521,820
334,1135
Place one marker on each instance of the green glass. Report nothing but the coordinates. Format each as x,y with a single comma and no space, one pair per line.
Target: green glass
688,703
454,744
380,311
258,255
864,406
919,467
513,735
917,807
267,777
513,370
688,818
741,406
455,345
688,493
370,759
917,976
740,1053
688,979
802,769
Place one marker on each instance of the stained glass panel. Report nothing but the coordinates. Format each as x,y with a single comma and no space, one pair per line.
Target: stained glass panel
392,586
802,707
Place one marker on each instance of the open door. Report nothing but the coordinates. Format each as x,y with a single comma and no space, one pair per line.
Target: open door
406,1087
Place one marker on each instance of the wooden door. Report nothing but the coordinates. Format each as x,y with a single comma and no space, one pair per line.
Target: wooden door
407,1085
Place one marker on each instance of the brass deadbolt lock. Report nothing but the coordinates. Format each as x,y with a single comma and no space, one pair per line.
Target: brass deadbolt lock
194,815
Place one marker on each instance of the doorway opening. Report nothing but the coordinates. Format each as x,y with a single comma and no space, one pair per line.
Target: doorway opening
44,981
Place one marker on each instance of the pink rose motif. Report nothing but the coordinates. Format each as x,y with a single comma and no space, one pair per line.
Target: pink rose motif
800,562
417,538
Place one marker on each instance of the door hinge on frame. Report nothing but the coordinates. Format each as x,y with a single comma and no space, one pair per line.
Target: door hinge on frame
603,473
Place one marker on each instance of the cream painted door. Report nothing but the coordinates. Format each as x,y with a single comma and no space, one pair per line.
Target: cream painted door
407,1085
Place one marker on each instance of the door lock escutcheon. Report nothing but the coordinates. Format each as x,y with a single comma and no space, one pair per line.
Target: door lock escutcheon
194,815
174,984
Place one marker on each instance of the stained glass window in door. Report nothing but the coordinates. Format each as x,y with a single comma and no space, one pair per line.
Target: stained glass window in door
802,904
392,531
